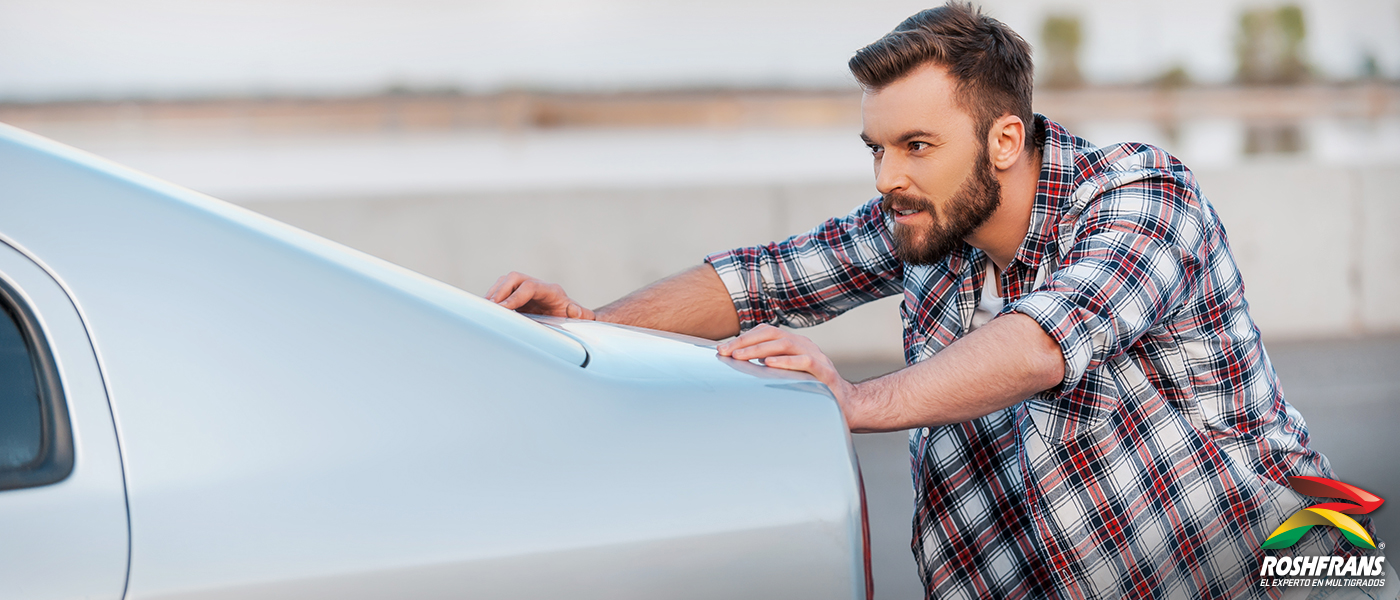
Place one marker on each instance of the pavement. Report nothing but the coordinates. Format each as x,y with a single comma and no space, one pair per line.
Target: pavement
1348,390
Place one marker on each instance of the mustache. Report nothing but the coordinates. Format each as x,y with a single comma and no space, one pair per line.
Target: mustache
906,201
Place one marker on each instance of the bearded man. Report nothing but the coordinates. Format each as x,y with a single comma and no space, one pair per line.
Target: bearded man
1116,430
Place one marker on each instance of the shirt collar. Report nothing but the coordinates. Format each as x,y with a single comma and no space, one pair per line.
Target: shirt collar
1057,175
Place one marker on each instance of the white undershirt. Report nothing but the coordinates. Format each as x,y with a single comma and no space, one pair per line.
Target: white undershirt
991,303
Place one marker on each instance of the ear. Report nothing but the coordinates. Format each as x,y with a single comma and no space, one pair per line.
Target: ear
1006,138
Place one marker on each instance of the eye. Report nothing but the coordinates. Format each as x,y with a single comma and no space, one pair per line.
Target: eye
875,149
917,146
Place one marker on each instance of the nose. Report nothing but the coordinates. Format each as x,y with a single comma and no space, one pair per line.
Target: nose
891,174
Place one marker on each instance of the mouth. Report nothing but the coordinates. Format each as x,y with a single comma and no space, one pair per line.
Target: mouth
906,214
908,209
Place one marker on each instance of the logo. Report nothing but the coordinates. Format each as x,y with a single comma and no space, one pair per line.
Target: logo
1330,513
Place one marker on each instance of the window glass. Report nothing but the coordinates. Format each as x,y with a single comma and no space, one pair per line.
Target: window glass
21,426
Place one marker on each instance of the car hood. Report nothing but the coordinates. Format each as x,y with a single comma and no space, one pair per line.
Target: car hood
638,353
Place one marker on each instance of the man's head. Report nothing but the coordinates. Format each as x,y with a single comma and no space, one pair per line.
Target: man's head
947,101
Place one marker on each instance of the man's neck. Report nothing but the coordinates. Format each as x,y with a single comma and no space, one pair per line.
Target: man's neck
1004,232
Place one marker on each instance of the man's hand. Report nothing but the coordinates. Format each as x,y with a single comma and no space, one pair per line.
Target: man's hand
526,294
694,302
786,350
992,368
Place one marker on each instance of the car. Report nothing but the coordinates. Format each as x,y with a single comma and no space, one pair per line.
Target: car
200,402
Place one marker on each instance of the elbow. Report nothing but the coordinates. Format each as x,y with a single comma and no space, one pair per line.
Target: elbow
1045,361
1049,366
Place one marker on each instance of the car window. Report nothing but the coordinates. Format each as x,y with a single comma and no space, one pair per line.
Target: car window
36,444
21,428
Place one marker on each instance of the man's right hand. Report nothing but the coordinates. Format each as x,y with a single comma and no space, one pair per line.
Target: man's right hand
694,302
523,293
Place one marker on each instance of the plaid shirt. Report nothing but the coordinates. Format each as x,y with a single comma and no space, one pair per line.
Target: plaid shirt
1158,466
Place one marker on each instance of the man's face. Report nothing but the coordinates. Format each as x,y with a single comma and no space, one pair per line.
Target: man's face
930,164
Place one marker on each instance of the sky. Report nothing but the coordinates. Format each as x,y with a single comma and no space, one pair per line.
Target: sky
126,49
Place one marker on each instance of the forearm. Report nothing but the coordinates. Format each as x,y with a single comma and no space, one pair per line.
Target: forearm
999,365
694,302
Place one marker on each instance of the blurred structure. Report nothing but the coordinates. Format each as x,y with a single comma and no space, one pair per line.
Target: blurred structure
1059,52
1270,52
165,49
1270,46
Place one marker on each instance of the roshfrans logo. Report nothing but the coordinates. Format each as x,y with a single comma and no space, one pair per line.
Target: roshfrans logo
1332,513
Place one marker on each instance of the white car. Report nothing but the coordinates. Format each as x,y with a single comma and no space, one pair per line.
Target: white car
198,402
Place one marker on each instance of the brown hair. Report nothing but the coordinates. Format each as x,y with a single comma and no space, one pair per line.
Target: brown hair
990,63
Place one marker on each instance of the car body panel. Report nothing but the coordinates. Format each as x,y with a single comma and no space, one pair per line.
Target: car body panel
67,539
300,419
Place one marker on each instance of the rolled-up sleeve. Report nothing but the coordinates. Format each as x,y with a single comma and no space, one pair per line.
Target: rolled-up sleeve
814,276
1137,254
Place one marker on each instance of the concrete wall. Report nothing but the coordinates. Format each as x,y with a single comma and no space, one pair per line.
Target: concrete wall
1315,243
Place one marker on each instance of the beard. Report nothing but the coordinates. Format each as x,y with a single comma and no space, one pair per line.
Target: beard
975,201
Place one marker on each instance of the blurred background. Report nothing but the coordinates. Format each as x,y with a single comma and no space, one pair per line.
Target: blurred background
603,144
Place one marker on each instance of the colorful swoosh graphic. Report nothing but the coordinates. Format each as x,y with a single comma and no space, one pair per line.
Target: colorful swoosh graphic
1330,513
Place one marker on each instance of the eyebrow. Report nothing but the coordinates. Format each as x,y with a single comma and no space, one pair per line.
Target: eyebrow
906,136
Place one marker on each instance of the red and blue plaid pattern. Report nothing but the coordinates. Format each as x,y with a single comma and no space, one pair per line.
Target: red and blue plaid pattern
1159,465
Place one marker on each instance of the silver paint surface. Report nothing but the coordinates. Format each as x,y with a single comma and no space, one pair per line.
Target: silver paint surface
299,419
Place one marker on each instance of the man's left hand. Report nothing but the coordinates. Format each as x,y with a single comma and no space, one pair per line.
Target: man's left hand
786,350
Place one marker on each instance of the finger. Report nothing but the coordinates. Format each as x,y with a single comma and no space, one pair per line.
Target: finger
504,285
577,311
757,335
496,287
764,350
816,366
792,362
762,333
521,296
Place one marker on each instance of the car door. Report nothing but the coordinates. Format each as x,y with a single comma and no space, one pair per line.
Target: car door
63,517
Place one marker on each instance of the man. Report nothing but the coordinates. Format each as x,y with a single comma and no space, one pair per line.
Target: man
1116,430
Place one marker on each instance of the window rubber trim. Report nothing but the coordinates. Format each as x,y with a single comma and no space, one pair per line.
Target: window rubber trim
54,462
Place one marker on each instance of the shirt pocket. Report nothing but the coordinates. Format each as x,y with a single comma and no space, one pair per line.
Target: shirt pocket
1060,418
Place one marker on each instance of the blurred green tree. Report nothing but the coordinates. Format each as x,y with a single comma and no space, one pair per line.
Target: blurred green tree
1269,46
1061,37
1175,77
